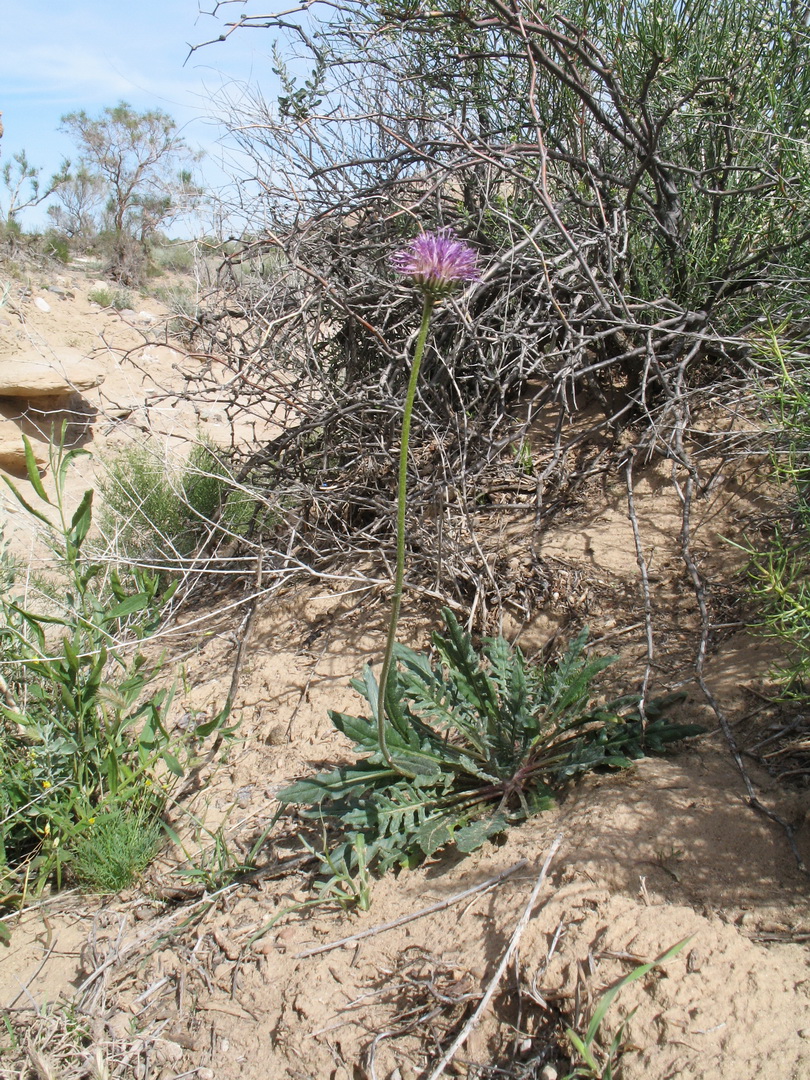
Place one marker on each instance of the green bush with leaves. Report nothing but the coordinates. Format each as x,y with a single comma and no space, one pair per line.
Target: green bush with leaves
159,513
780,571
82,731
477,742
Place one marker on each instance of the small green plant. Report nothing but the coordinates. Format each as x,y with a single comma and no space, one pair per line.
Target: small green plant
157,512
117,846
56,246
603,1063
212,862
347,882
83,733
118,299
524,461
474,743
13,1042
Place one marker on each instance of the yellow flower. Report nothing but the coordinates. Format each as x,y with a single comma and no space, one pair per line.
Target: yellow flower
91,821
46,784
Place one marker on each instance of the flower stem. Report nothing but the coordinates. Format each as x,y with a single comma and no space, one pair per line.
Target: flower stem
402,498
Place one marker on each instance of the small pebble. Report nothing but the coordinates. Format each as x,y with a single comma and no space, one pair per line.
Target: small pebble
548,1072
43,305
166,1050
224,1044
205,1074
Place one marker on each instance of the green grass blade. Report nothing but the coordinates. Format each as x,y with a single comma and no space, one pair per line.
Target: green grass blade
637,973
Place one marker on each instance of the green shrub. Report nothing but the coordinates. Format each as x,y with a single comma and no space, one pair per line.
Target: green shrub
82,732
477,743
119,299
780,571
172,256
162,513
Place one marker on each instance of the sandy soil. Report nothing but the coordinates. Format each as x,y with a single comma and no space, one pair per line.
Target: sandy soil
170,982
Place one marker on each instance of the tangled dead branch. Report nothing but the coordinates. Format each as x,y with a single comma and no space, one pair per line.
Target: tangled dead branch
623,276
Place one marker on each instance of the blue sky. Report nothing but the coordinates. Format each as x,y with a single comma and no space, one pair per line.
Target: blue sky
59,56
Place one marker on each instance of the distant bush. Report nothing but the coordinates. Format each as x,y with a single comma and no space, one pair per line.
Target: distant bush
172,256
182,303
10,233
56,246
124,257
119,299
160,513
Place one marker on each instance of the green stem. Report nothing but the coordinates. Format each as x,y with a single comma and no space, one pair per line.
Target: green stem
402,495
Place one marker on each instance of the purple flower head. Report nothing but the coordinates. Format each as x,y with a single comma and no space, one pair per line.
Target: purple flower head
437,262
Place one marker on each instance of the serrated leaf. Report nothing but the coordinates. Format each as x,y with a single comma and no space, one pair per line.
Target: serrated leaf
361,731
434,834
471,837
334,785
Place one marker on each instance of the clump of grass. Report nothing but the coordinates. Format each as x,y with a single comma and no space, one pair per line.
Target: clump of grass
116,848
118,299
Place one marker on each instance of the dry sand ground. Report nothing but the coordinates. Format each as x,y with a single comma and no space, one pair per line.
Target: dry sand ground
170,985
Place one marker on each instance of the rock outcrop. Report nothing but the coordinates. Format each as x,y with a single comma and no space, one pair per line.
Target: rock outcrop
32,375
37,399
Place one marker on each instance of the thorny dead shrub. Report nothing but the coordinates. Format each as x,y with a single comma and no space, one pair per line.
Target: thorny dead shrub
635,180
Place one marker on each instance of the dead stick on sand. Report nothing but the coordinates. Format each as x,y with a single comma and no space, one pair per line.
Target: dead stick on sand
440,906
462,1037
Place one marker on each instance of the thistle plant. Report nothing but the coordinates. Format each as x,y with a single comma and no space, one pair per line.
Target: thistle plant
436,263
458,748
476,741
